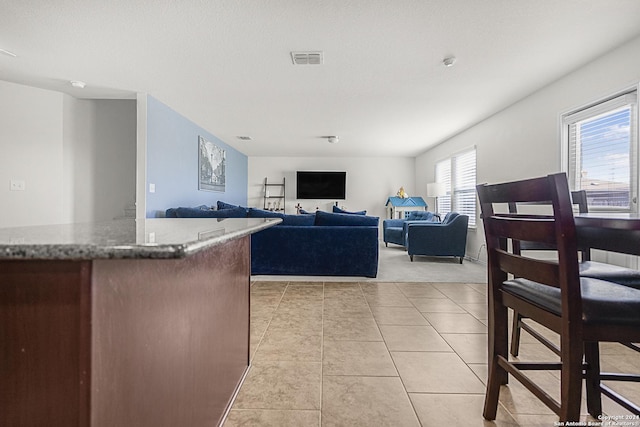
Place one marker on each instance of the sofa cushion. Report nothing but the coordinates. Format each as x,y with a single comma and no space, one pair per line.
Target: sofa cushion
339,219
338,210
420,216
200,213
300,220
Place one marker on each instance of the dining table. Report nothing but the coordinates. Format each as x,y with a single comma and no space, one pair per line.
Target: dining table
609,231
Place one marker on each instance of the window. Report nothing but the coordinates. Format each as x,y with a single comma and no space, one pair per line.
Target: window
458,174
601,148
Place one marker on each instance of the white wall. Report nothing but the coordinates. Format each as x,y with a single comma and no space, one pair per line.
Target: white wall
77,157
370,180
99,158
523,140
30,150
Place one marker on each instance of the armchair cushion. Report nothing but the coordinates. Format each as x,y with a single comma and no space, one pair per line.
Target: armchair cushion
420,215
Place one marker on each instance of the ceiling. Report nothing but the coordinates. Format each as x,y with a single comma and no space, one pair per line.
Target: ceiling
382,89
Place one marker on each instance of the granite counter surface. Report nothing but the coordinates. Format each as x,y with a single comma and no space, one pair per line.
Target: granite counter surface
127,238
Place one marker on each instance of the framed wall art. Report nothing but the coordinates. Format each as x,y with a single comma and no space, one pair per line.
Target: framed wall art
211,166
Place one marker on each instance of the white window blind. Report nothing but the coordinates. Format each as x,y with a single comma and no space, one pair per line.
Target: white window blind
602,144
443,176
458,174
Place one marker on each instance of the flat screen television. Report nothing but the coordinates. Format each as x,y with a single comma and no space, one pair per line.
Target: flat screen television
321,185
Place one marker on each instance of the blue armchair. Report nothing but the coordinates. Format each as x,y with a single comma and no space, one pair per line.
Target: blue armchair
448,238
394,230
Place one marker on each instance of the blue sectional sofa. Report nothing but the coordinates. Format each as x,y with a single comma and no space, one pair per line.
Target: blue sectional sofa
320,244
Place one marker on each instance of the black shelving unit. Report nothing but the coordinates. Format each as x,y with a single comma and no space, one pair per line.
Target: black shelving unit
274,202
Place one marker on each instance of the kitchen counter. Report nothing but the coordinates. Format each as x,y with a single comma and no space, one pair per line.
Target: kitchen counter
124,323
126,238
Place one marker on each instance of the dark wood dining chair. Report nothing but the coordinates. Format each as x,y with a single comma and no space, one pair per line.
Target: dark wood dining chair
587,268
583,311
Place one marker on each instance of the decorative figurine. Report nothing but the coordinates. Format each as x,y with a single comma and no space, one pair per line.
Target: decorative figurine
401,193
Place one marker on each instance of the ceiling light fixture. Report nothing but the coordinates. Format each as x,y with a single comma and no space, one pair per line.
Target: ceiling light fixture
333,139
78,84
449,61
6,52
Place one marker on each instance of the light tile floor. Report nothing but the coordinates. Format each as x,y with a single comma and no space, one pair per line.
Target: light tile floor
385,354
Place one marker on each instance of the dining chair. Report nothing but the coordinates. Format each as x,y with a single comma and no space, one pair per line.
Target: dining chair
587,268
583,311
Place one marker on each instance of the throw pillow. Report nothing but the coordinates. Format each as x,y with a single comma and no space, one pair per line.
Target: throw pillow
338,210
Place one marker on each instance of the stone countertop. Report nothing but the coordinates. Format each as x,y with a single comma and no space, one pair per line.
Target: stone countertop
125,239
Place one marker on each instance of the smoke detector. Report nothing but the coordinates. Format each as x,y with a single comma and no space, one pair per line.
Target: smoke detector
333,139
78,84
449,61
315,57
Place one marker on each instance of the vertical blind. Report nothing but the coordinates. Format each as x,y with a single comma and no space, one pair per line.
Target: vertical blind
458,174
603,151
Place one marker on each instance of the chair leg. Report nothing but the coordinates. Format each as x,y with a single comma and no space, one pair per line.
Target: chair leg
498,344
461,258
592,378
570,378
411,258
515,334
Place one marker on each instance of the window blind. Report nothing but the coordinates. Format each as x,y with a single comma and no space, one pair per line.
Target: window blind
458,174
603,151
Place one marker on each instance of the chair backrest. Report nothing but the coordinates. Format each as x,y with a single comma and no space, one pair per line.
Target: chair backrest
556,230
450,216
578,198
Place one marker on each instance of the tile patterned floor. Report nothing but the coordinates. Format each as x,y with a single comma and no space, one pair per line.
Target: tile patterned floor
384,354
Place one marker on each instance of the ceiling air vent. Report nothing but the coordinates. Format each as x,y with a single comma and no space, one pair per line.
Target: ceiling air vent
307,58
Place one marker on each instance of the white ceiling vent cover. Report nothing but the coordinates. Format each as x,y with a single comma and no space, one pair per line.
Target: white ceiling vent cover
307,58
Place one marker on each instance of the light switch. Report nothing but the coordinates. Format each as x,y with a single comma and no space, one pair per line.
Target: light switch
18,185
152,188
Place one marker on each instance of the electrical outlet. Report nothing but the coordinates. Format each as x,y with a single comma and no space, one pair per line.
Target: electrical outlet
18,185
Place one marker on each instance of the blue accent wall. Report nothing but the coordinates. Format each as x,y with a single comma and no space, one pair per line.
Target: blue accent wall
172,163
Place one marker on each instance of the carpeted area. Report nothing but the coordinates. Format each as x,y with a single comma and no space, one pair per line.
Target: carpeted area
394,265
